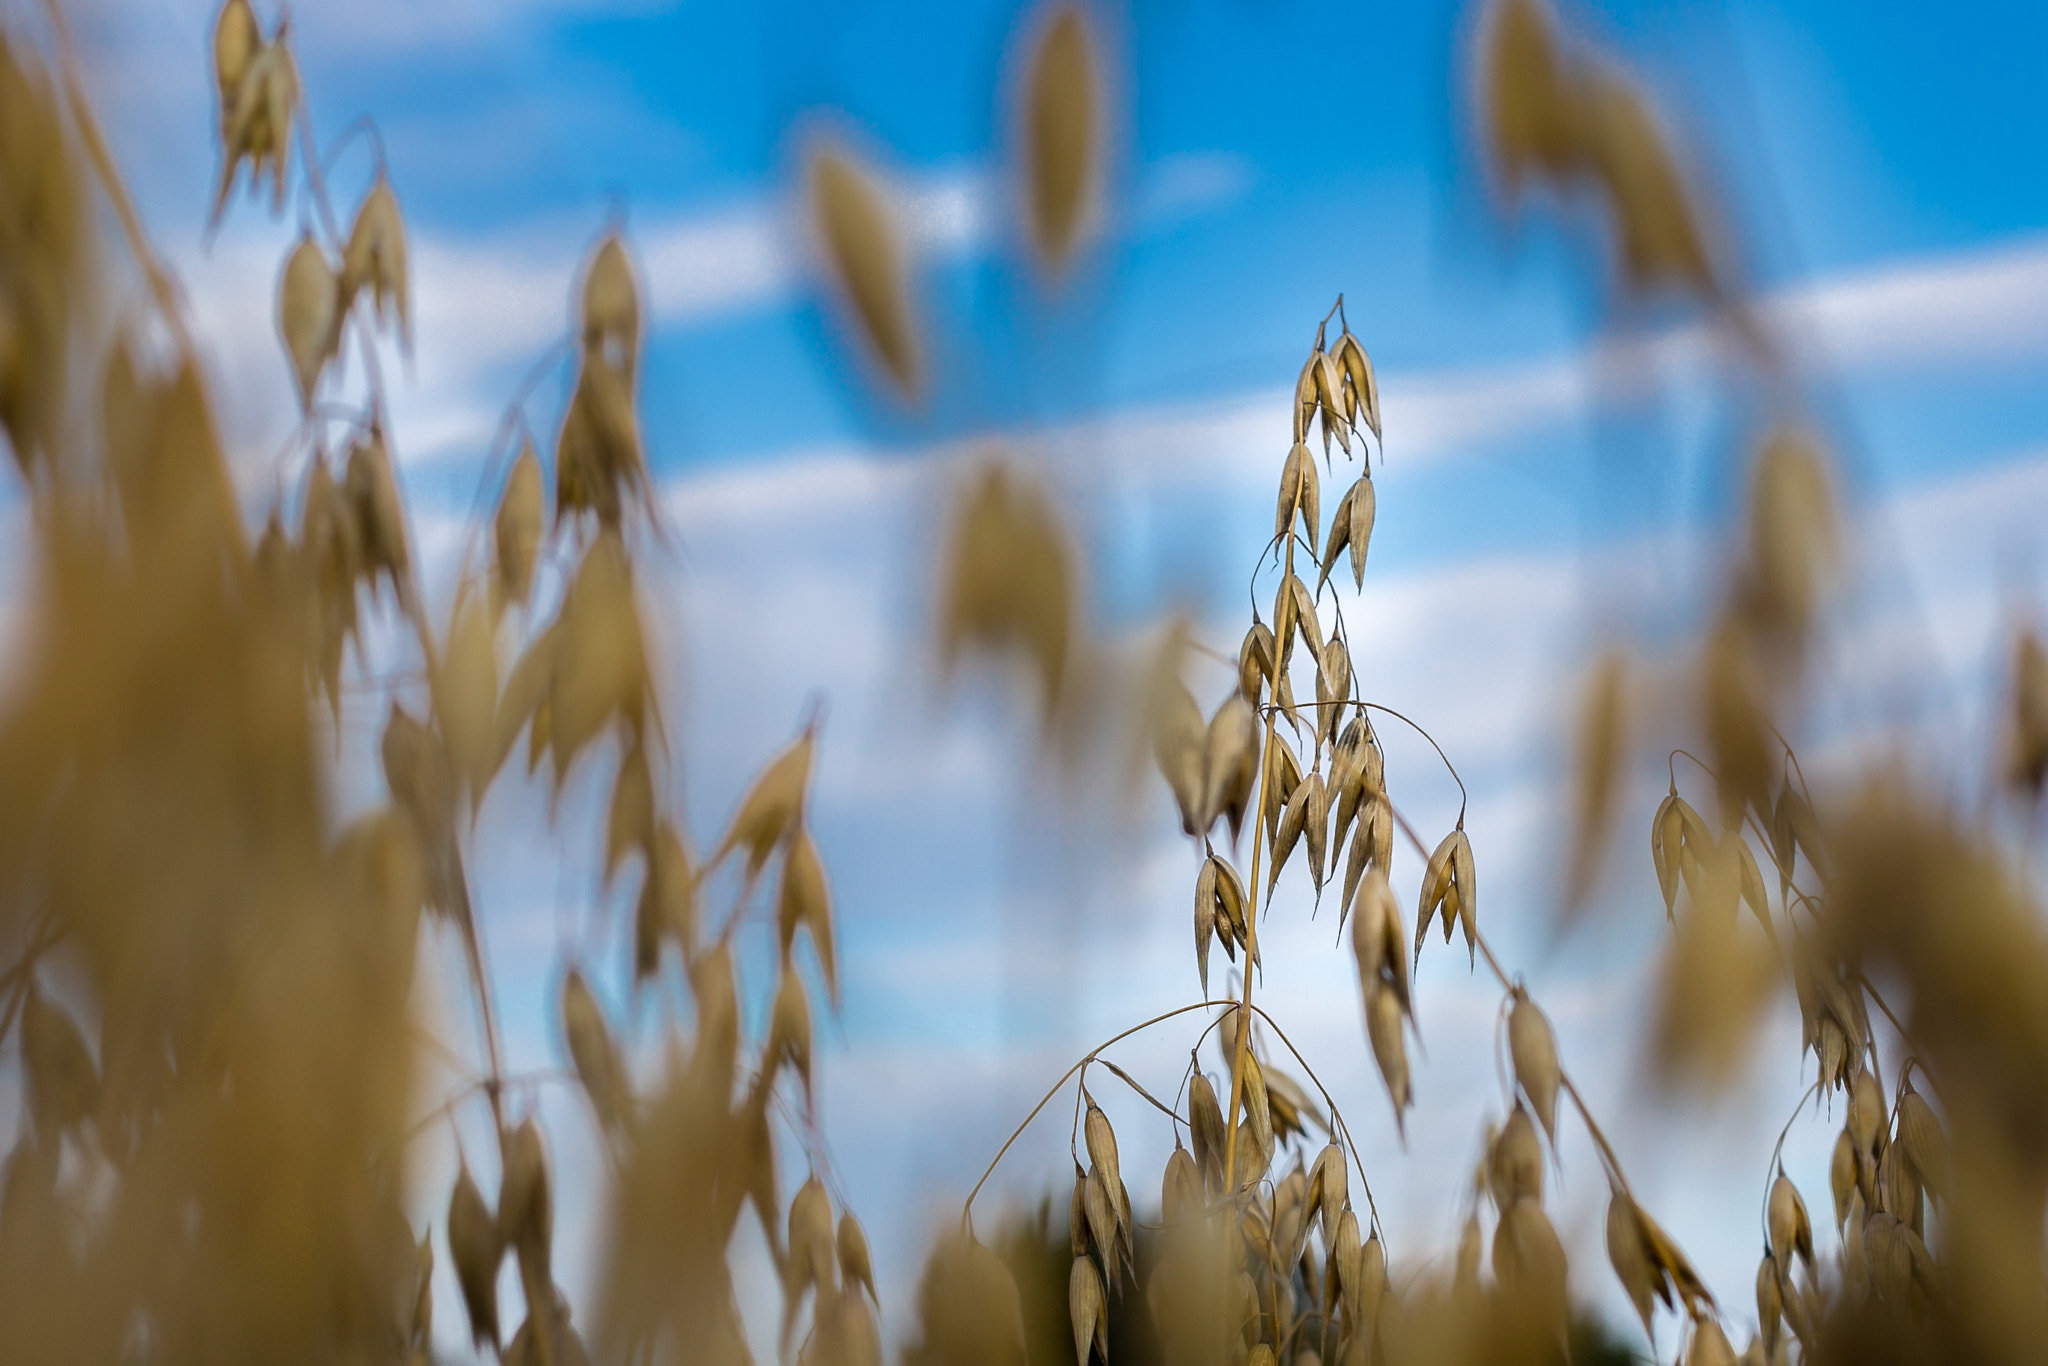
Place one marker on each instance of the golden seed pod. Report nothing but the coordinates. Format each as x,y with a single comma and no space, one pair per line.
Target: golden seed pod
1283,779
856,1266
1709,1345
1205,918
1205,1125
466,694
1531,110
236,39
1347,1261
1099,1208
1515,1166
805,900
629,826
611,308
1792,534
526,1211
1629,1253
308,317
600,669
1294,822
1528,1259
1009,582
813,1249
516,528
1077,1214
667,908
595,1055
375,258
1329,382
1062,137
1791,1231
1602,753
1667,842
1842,1175
1449,883
1866,1113
1533,1048
1377,942
1770,1302
1316,825
864,248
1660,238
599,461
257,123
1924,1143
1364,391
475,1248
1383,1015
982,1301
371,492
1351,530
1088,1311
789,1028
1299,492
1258,1103
1180,1186
718,1019
844,1333
1327,1192
773,808
1333,688
1374,1289
1255,662
1230,764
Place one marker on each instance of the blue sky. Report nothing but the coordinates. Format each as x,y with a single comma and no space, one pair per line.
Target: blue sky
1877,171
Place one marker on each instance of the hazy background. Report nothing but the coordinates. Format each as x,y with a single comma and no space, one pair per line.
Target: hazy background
1549,485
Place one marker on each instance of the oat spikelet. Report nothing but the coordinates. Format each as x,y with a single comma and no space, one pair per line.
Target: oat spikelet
1062,138
1533,1048
864,248
308,315
475,1248
375,258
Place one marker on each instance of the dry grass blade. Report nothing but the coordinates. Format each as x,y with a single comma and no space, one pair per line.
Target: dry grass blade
864,247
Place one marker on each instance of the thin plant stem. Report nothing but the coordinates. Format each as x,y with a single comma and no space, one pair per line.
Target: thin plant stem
1283,627
967,1209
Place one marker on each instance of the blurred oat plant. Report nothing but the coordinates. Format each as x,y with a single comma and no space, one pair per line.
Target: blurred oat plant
210,981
